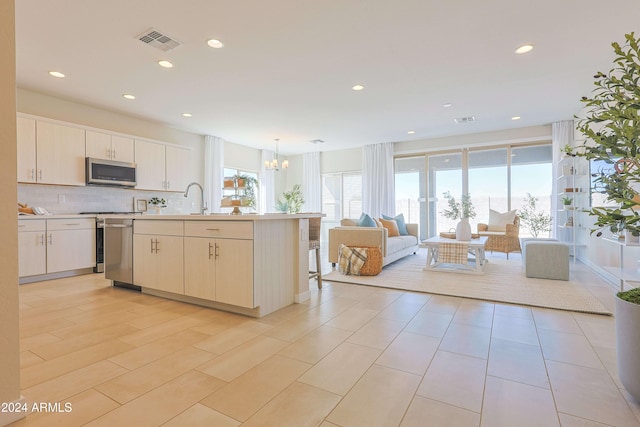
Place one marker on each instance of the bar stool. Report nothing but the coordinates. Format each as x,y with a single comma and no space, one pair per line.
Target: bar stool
314,244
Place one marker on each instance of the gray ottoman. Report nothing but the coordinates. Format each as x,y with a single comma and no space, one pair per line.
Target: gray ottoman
545,259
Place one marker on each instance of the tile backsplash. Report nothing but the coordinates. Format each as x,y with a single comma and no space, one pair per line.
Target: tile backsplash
60,199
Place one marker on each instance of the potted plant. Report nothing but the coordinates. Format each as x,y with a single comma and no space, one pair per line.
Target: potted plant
612,127
156,204
293,201
566,201
462,210
536,222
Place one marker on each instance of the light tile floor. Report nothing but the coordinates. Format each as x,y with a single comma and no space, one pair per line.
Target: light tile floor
350,356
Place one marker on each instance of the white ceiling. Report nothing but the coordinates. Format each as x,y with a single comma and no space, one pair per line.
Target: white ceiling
288,66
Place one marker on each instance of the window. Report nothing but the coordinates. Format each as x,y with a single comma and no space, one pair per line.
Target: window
229,172
341,197
497,178
411,191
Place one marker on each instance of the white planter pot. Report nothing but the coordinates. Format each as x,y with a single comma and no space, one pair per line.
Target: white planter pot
630,238
628,345
463,230
155,210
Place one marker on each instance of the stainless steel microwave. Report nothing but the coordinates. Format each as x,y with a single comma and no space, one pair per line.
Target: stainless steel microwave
110,172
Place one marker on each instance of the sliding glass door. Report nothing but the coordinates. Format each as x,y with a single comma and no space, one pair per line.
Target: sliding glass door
411,191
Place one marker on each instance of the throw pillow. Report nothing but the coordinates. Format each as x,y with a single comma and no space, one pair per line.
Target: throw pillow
378,223
498,221
391,225
348,222
402,226
366,221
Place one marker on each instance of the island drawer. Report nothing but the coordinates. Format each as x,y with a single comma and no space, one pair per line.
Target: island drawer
221,229
165,228
32,225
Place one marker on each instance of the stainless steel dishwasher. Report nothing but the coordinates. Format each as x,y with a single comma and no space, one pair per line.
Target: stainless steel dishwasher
118,252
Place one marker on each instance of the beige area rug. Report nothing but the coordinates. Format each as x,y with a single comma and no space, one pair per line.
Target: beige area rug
503,281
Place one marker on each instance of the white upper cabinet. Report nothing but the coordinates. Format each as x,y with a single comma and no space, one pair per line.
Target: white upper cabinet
110,147
177,168
60,154
161,167
150,161
26,132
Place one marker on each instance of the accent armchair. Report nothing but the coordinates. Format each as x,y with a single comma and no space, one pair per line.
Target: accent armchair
502,241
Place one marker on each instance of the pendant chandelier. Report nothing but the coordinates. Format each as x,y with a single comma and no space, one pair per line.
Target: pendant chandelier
274,165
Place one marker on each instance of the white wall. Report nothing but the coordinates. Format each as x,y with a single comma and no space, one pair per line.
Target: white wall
9,335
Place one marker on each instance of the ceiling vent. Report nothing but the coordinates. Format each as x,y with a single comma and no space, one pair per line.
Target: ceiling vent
317,141
155,38
465,119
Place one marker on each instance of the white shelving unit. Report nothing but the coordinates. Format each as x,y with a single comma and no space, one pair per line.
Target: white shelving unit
234,196
622,273
573,184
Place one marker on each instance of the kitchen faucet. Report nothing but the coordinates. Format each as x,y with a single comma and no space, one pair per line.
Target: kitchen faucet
203,207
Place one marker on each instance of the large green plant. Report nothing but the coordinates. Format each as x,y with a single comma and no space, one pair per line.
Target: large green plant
458,210
536,221
250,186
292,200
612,131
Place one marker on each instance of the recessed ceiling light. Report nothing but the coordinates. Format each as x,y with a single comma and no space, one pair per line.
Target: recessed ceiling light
411,132
187,115
447,105
357,87
524,48
516,118
165,64
216,44
128,96
57,74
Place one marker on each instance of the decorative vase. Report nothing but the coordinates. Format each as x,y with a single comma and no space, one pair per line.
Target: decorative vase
463,230
627,316
155,210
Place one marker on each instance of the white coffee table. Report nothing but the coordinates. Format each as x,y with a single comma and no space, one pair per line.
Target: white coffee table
476,248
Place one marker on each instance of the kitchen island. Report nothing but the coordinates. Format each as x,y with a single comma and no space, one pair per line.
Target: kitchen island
248,264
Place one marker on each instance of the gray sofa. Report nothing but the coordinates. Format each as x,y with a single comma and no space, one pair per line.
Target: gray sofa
393,248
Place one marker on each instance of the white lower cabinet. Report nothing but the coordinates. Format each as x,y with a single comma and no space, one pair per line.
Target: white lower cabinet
56,245
32,249
219,270
158,251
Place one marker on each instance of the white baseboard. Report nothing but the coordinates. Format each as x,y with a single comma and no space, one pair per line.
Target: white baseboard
302,297
7,418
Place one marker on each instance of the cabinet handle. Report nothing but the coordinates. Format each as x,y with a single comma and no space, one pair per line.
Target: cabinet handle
113,154
157,249
210,251
217,251
33,174
168,184
213,229
40,174
50,239
109,153
151,245
42,239
73,223
21,225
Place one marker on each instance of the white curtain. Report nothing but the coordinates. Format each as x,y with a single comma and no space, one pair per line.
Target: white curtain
378,193
267,184
561,135
311,182
213,171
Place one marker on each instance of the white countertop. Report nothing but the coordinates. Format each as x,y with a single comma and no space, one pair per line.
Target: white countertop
180,217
